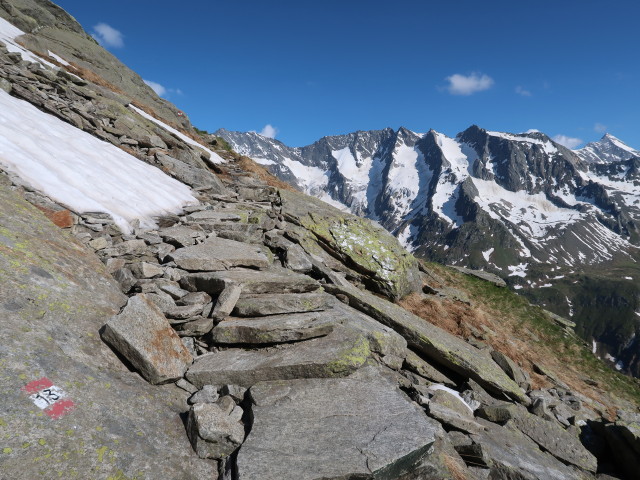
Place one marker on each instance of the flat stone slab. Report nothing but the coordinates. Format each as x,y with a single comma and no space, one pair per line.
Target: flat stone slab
554,439
482,275
337,354
435,343
219,254
261,305
180,235
511,454
361,426
142,334
251,281
274,329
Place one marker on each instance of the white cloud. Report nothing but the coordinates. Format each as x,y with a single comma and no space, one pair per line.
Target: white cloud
156,87
523,91
532,130
107,36
600,128
467,85
269,131
569,142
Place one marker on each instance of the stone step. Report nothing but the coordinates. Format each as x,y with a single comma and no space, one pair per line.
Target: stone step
275,328
261,305
251,281
219,254
335,355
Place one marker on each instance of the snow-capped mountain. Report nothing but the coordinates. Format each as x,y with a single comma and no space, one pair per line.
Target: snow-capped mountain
607,149
544,201
520,205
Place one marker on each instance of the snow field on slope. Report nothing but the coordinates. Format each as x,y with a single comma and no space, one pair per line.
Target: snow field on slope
81,172
547,146
214,157
404,179
445,196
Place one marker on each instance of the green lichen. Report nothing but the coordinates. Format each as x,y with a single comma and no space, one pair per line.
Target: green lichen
351,358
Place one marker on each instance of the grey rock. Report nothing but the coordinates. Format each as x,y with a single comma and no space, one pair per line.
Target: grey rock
251,281
226,302
146,270
131,247
114,264
186,386
337,354
207,394
162,300
481,274
297,259
194,327
183,312
192,175
194,298
125,278
435,343
555,440
144,337
214,215
260,305
219,254
215,431
236,392
99,243
513,455
498,413
181,236
174,290
416,364
356,427
512,369
450,410
273,329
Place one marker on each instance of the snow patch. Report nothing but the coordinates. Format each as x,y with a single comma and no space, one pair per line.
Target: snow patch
81,172
439,386
58,59
518,270
214,157
8,35
487,254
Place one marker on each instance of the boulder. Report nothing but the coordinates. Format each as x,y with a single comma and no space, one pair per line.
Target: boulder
219,254
554,439
261,305
215,429
510,367
144,337
361,426
181,236
451,410
512,455
416,364
337,354
273,329
362,245
251,282
435,343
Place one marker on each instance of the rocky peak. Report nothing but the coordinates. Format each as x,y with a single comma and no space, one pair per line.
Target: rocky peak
607,150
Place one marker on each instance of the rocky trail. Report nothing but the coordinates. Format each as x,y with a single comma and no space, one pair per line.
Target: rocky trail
253,335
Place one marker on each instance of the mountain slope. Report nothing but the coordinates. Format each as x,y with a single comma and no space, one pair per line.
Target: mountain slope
519,205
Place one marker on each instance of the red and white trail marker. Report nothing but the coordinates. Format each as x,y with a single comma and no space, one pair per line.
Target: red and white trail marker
45,395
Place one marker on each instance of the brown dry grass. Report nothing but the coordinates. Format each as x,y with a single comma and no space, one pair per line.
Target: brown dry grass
511,335
249,166
456,470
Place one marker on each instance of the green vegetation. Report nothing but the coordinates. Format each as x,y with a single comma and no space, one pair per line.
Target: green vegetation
544,340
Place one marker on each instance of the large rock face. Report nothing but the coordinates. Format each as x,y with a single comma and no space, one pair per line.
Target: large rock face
54,297
357,427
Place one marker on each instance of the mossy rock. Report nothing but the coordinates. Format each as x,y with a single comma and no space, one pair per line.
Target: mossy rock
361,244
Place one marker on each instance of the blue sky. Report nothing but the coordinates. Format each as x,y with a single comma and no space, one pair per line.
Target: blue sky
310,69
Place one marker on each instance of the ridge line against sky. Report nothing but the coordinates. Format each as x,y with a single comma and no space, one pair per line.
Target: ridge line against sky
299,71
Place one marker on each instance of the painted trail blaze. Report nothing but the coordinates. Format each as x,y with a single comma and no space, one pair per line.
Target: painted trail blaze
48,397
